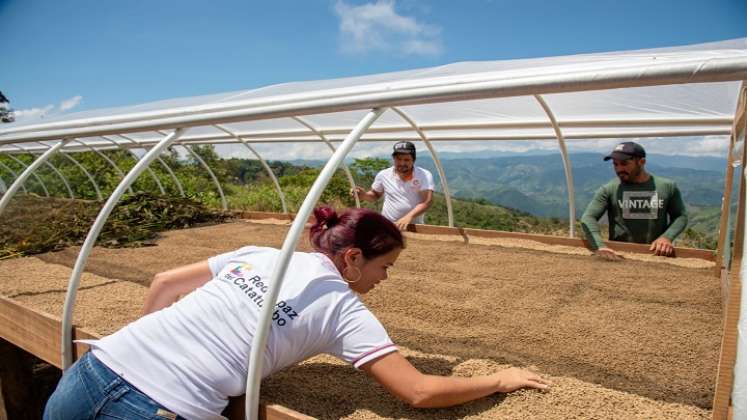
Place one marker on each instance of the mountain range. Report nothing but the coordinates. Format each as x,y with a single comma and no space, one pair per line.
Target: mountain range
536,183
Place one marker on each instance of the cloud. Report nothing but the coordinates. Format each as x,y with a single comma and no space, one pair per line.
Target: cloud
47,110
378,27
32,113
70,103
714,146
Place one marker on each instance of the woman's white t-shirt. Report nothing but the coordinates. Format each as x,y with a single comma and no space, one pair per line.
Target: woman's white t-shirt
191,356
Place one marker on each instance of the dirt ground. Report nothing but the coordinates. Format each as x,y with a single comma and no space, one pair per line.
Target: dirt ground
637,339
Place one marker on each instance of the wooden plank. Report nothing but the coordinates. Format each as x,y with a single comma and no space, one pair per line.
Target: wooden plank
727,359
725,372
555,240
683,252
36,332
3,412
265,215
39,334
235,411
725,209
16,373
737,127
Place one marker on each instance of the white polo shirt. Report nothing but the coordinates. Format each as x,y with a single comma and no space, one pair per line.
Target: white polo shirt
401,196
193,355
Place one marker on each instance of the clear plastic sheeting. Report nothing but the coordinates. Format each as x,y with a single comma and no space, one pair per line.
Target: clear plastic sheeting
658,86
677,93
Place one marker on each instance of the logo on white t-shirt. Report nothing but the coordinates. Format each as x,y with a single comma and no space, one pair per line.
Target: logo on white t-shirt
255,289
240,267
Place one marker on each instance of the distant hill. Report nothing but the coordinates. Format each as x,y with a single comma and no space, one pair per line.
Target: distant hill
527,192
536,184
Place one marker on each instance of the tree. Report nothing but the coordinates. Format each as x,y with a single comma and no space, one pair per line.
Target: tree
365,170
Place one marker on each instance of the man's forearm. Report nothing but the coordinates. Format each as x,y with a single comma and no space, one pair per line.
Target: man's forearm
676,228
418,210
678,214
592,233
369,196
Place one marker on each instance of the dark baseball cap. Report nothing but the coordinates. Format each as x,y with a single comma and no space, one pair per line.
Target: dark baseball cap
404,147
626,150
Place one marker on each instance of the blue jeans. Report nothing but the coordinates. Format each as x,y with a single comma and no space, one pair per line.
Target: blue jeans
90,390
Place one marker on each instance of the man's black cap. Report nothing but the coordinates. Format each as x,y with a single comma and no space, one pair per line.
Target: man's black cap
404,147
626,150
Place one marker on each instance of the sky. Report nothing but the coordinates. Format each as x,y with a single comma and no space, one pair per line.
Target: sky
75,55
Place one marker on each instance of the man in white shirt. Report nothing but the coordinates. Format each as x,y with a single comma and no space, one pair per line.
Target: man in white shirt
407,189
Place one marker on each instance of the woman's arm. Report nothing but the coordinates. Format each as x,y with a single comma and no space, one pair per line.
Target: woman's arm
404,381
166,287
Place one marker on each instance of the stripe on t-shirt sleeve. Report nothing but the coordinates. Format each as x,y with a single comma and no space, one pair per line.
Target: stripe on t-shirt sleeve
374,354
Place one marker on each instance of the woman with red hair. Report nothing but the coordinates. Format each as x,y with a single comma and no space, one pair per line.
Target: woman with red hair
186,357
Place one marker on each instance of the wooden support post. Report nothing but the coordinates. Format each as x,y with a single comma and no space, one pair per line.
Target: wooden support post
16,372
725,372
727,359
725,212
737,130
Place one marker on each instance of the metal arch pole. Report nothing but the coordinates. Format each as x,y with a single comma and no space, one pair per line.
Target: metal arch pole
566,166
72,288
150,171
15,175
436,161
62,177
3,186
38,179
332,148
261,161
173,176
56,171
85,171
170,172
28,171
210,172
259,341
106,158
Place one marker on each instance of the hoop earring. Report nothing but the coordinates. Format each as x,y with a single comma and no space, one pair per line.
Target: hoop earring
345,275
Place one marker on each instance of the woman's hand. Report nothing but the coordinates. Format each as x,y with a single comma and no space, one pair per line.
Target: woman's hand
511,379
408,384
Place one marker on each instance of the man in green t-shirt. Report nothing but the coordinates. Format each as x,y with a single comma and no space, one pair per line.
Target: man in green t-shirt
640,207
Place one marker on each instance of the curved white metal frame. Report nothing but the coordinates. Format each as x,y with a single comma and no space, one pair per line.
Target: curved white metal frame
345,168
33,173
163,163
3,186
28,171
106,158
687,69
264,164
436,161
61,176
15,175
49,164
259,341
380,95
137,158
204,164
173,176
567,168
85,171
74,282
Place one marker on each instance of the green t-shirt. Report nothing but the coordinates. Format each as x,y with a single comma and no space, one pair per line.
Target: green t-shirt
637,212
